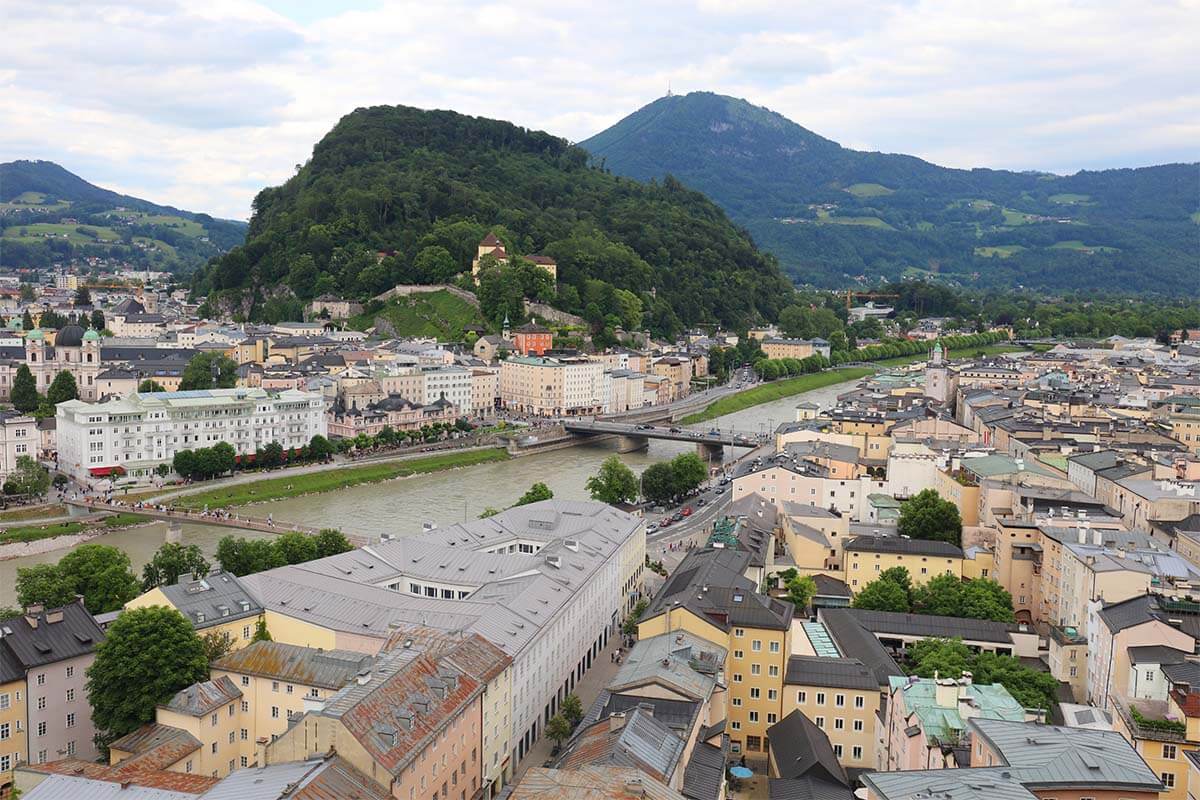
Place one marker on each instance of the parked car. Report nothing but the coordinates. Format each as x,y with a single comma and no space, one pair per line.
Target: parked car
677,516
687,511
701,501
651,528
720,490
665,523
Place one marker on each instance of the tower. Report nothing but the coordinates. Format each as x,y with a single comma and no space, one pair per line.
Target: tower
937,375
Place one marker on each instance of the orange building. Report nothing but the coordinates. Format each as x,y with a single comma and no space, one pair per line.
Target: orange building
532,339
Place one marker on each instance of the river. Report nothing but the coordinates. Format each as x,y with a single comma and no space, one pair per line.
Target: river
401,506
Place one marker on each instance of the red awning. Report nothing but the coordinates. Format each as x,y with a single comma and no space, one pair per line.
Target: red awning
102,472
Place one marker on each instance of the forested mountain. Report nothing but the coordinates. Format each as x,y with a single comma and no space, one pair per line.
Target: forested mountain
397,194
49,215
831,214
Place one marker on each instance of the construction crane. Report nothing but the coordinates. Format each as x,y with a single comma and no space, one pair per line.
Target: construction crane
851,295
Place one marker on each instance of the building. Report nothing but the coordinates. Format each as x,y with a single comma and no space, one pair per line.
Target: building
135,435
547,583
449,383
491,245
840,696
74,350
332,307
215,603
532,339
44,711
926,719
798,349
868,556
553,387
18,437
800,751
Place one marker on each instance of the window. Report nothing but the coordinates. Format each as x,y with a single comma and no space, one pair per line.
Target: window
772,718
837,750
801,697
274,686
1168,752
5,763
756,645
772,694
41,679
737,677
737,702
71,747
1168,779
774,647
735,725
1074,671
231,737
71,720
245,734
859,701
245,762
820,698
41,703
839,700
274,712
245,680
4,732
4,701
213,721
738,654
839,724
755,669
70,672
858,724
214,748
753,743
41,728
245,635
820,721
856,753
754,716
290,688
245,706
754,693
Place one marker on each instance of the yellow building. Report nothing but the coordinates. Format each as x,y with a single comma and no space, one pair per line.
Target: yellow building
709,597
961,490
13,745
216,603
868,556
281,681
978,562
787,348
841,697
198,731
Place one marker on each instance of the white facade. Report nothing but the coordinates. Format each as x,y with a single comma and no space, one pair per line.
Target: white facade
18,437
452,383
141,431
552,387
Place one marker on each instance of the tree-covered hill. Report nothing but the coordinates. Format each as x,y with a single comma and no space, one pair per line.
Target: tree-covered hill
49,215
831,214
397,194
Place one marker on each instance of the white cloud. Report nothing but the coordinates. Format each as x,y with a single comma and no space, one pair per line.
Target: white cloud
201,104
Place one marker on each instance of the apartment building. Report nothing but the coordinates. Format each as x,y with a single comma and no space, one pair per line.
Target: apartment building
18,437
868,556
532,339
134,435
709,596
552,387
840,696
547,583
44,711
449,383
485,390
216,603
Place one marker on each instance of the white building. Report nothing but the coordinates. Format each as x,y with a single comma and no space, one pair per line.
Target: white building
548,583
553,387
135,434
451,383
18,437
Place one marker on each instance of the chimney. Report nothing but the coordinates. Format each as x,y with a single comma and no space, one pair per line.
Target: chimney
1097,537
1083,535
54,616
616,721
946,693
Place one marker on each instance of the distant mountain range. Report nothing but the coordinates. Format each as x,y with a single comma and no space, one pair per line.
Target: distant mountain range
49,215
834,215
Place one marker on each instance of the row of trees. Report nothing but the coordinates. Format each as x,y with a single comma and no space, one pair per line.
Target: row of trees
771,368
926,515
246,556
209,462
943,595
390,437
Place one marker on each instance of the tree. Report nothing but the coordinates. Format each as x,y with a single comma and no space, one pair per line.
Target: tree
97,320
247,556
102,574
615,483
148,654
270,456
209,370
928,516
949,658
217,644
690,471
537,493
320,448
26,320
45,584
558,729
296,548
148,386
82,297
330,542
170,562
982,598
572,709
29,478
801,590
62,388
24,394
261,634
882,595
435,265
658,482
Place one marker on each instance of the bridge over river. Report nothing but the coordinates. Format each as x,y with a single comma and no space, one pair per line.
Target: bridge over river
632,437
218,518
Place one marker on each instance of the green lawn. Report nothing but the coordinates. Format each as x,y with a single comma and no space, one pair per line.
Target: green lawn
987,350
1001,250
776,390
1012,217
439,314
925,225
869,190
187,227
163,247
1075,244
871,222
32,512
36,231
32,533
328,480
1069,199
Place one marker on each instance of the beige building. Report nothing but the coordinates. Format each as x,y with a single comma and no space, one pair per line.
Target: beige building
551,387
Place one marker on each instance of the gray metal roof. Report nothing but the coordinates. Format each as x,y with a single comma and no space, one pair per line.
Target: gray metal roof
898,544
704,774
932,625
212,600
68,787
49,636
314,779
680,660
946,784
807,789
800,749
1047,756
838,673
855,641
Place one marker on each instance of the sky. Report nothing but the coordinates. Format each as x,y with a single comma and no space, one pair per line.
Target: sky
200,104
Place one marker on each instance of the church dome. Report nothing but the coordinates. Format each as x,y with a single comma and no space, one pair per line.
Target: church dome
91,336
35,335
70,336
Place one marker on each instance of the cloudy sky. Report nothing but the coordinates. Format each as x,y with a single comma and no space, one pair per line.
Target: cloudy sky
200,104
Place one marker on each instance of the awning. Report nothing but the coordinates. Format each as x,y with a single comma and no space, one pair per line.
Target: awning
103,472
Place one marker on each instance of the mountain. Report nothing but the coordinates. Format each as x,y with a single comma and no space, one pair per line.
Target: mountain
831,214
400,195
49,215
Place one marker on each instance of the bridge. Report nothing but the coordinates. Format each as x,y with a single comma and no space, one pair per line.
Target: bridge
218,518
710,444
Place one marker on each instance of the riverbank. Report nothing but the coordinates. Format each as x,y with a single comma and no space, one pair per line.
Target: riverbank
776,390
329,480
35,539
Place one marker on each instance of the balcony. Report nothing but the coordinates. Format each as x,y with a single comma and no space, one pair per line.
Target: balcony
1146,719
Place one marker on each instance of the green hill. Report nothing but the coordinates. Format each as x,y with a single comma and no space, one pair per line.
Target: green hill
49,215
438,314
400,195
831,214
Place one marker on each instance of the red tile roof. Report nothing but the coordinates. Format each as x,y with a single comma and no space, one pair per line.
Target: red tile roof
150,778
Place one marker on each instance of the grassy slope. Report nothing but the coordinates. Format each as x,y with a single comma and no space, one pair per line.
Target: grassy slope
775,390
439,314
328,480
